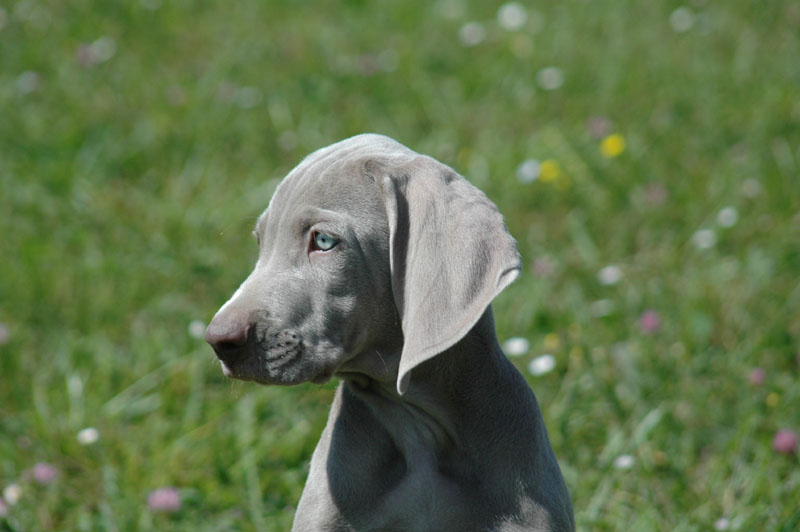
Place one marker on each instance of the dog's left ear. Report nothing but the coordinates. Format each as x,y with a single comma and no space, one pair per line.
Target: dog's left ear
450,253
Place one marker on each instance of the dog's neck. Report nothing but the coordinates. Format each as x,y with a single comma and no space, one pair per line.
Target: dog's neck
442,392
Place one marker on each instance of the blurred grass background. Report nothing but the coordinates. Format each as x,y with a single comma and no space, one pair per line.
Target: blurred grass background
139,140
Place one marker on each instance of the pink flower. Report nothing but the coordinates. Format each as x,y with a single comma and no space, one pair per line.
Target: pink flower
84,56
649,321
44,473
166,499
655,194
543,267
599,127
3,508
785,441
5,335
757,376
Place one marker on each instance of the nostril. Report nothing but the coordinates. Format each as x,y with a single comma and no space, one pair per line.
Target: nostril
228,346
236,339
228,338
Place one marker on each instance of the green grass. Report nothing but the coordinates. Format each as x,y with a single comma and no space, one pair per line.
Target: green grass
132,171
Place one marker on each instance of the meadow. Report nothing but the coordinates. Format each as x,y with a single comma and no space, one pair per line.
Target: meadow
646,156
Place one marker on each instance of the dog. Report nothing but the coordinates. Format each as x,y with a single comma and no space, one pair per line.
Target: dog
378,265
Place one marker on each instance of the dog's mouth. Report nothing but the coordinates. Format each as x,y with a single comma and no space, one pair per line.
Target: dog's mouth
283,358
274,360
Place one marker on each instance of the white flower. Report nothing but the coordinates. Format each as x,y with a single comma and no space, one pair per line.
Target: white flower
609,275
88,436
624,461
550,78
103,49
75,386
704,239
517,346
472,33
247,97
12,494
542,364
450,9
511,16
197,329
728,217
528,171
682,19
28,82
723,523
601,308
751,187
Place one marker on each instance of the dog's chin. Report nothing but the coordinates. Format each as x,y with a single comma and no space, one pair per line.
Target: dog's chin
228,372
236,372
276,370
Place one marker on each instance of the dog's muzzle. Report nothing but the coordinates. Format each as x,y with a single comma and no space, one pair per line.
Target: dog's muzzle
229,334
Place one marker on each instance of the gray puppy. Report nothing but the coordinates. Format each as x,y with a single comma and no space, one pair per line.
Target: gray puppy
378,265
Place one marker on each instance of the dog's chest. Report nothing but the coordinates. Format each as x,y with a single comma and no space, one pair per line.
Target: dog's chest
375,473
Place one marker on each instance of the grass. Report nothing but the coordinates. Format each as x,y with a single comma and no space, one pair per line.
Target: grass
140,140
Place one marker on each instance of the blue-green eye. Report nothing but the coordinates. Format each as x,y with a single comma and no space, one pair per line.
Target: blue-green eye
324,242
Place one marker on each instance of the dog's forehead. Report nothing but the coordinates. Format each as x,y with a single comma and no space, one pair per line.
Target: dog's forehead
335,176
365,145
323,181
340,161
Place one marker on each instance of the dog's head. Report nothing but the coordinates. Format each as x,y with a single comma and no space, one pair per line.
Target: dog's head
372,259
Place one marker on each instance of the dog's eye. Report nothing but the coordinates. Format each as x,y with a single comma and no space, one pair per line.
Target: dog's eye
324,242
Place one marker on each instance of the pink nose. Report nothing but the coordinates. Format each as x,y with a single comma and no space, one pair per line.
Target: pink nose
228,333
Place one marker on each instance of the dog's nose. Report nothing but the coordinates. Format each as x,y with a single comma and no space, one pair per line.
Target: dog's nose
228,333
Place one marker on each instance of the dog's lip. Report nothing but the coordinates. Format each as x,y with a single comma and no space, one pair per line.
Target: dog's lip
232,373
257,368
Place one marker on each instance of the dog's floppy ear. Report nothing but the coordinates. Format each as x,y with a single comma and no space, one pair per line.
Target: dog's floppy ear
450,256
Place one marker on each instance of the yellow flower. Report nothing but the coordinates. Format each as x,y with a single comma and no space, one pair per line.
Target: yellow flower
660,458
612,145
773,399
549,170
552,342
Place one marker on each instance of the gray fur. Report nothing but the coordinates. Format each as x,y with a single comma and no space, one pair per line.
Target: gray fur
431,428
